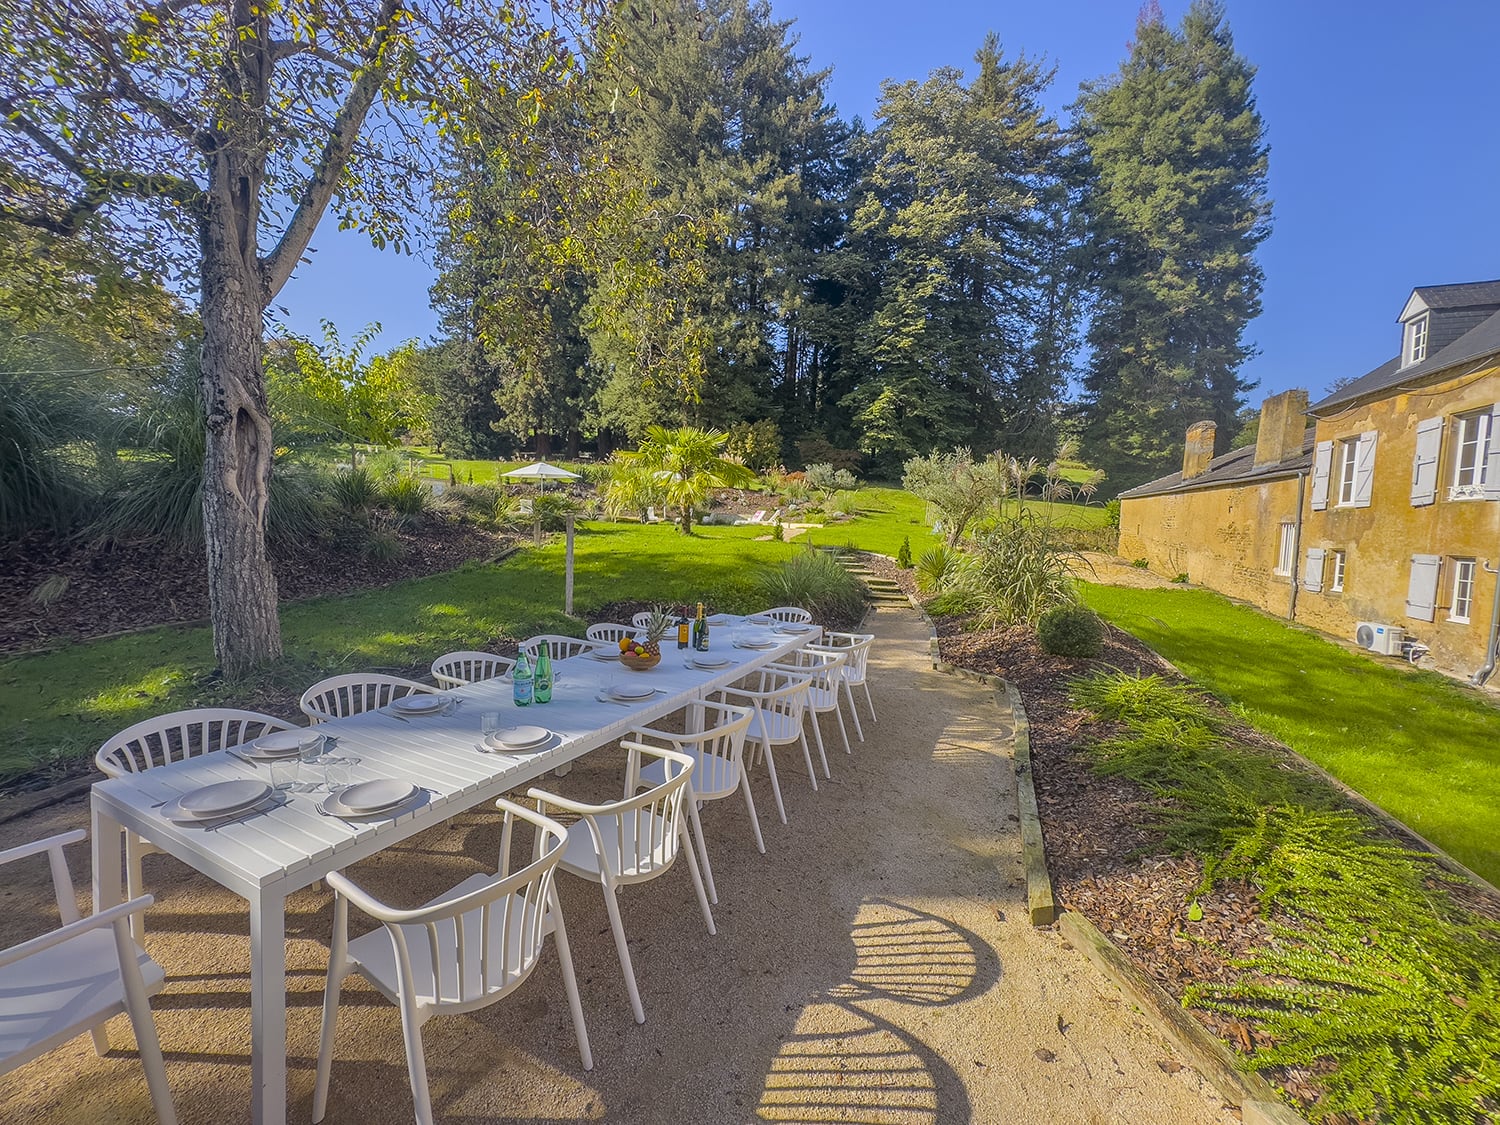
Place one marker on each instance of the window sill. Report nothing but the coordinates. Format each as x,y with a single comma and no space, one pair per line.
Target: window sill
1466,492
1458,621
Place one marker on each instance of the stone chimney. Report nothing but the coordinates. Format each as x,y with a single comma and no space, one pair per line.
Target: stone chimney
1283,421
1199,450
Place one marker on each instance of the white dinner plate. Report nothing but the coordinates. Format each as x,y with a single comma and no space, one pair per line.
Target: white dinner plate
708,663
755,642
603,654
758,620
174,812
517,738
719,619
223,798
279,744
374,796
334,805
420,704
630,693
794,627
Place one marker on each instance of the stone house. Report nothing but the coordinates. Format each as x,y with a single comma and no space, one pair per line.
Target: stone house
1382,513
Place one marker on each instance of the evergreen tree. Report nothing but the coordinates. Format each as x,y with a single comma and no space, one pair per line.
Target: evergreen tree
961,230
1175,206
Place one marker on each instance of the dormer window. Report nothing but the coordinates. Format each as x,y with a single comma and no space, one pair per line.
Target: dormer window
1416,340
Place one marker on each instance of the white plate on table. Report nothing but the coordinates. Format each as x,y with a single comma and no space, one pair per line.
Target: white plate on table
794,627
719,619
517,738
708,663
603,654
370,798
419,704
223,798
755,642
630,693
279,744
758,620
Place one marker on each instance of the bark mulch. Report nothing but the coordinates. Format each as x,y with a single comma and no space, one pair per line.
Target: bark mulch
136,585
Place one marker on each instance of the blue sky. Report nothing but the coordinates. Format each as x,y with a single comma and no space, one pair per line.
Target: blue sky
1383,120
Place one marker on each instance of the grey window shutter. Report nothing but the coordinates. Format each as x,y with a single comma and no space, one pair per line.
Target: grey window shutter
1492,457
1421,594
1424,464
1313,572
1322,467
1364,470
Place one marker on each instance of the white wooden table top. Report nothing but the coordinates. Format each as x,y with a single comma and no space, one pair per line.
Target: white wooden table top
295,844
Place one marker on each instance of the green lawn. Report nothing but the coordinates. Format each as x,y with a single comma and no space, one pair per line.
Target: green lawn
65,703
1418,744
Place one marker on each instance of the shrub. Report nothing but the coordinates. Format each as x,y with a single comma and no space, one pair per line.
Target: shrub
1112,513
1017,571
841,504
936,568
407,495
1071,630
903,553
1140,564
391,464
757,445
383,546
552,509
476,501
354,490
815,581
43,420
1181,579
815,448
825,477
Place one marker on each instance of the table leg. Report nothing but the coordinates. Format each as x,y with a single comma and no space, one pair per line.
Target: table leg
108,849
268,1009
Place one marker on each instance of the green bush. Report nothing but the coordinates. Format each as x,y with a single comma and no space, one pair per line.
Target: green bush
1017,570
903,553
935,569
826,478
407,495
47,424
816,582
1071,630
841,504
1140,564
1112,513
354,490
553,508
381,545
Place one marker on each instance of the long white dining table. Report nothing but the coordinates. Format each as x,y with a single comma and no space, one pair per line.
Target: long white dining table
264,857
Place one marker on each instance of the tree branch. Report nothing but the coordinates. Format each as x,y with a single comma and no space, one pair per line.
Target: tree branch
343,135
289,48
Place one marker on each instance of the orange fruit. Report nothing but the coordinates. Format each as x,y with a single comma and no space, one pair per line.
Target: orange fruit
624,644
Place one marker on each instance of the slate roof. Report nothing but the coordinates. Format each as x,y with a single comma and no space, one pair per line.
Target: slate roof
1474,344
1232,468
1463,295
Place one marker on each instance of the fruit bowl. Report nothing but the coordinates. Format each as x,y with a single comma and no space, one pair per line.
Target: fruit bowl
639,663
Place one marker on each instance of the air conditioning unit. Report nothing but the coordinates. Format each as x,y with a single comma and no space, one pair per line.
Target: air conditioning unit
1384,639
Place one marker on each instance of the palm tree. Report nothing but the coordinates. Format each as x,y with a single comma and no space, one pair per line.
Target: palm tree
687,463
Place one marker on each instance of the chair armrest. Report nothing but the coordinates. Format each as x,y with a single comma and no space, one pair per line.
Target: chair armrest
543,798
37,847
73,929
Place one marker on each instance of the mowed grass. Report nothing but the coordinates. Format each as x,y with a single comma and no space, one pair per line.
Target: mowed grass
61,705
1421,746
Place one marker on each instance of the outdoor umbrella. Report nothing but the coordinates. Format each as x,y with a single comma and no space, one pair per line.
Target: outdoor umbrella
541,471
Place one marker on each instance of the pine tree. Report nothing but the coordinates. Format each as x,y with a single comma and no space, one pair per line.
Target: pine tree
1175,205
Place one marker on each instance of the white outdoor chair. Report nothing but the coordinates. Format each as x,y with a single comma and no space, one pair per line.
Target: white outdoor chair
778,699
642,619
560,647
632,840
857,670
607,631
78,977
825,666
353,693
458,668
172,738
717,749
466,949
788,613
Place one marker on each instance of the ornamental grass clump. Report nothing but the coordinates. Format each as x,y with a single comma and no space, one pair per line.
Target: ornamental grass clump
816,582
1376,979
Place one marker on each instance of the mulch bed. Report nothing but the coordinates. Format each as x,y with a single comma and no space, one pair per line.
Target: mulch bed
136,585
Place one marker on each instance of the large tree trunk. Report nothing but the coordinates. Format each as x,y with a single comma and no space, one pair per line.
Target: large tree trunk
237,464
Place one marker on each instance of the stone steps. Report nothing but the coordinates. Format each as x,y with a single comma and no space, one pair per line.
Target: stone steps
883,591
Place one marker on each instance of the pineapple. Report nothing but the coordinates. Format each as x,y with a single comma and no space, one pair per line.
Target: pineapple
656,629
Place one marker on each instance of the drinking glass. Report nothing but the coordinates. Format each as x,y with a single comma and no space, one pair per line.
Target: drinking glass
284,773
338,773
489,723
310,753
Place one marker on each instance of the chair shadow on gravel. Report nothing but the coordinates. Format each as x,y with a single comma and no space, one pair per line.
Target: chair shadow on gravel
914,957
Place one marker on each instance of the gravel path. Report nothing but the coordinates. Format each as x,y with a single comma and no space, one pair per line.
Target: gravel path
875,966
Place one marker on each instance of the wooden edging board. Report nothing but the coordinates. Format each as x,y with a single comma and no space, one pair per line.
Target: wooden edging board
1256,1098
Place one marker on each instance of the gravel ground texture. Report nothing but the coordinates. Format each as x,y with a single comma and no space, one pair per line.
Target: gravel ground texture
875,966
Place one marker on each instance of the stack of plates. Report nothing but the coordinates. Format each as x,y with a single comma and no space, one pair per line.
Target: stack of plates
369,798
269,747
794,627
708,663
755,642
214,802
511,740
603,654
420,704
631,693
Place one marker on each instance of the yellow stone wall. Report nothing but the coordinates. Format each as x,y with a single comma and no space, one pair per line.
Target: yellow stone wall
1380,540
1225,538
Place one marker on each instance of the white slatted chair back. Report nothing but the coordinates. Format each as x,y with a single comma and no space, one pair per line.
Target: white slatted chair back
610,631
458,668
466,949
354,693
77,977
825,669
180,735
791,614
858,647
778,698
642,619
559,647
717,749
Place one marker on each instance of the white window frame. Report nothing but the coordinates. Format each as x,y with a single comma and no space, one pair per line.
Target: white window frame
1416,340
1462,603
1340,561
1348,458
1472,432
1287,556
